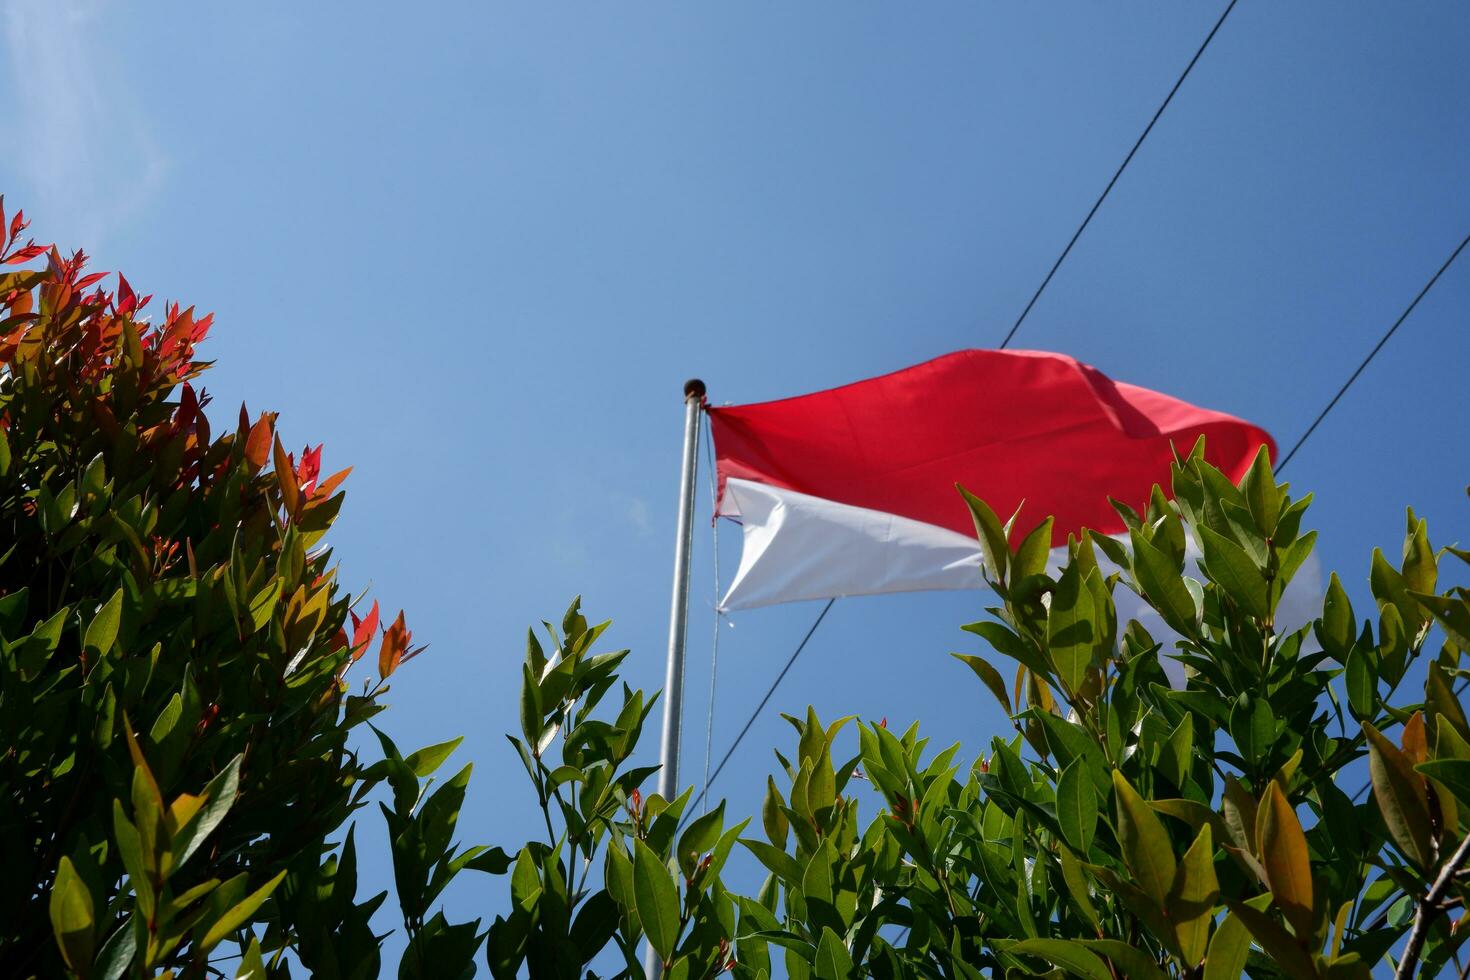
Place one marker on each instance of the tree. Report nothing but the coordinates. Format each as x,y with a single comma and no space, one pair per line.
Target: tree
1130,827
174,665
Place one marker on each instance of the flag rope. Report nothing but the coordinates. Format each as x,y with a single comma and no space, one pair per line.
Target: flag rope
769,691
1118,173
714,659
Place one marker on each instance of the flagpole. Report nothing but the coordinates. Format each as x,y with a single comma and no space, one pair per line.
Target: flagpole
668,779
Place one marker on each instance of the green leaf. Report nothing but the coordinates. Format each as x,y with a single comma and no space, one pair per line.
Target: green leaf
219,796
1146,847
1401,797
1280,945
1452,614
252,967
72,918
530,709
773,816
1453,773
657,900
1077,809
993,543
700,836
1420,569
1177,752
988,675
1253,727
777,861
13,609
1361,678
1076,883
1262,495
239,915
1033,552
1235,572
1075,958
1008,643
1192,900
833,960
1071,627
431,757
102,630
116,955
1338,628
1390,588
1229,949
1163,586
1134,963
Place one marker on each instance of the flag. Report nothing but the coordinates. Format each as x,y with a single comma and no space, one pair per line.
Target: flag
851,491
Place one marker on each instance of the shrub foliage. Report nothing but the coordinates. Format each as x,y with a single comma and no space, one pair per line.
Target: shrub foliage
181,743
1130,826
175,654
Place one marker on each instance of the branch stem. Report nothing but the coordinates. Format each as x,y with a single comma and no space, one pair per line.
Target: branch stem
1429,909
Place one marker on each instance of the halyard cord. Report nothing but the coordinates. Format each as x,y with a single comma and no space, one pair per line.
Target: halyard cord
714,659
772,690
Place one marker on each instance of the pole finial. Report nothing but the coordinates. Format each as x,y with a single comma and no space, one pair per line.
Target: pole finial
693,388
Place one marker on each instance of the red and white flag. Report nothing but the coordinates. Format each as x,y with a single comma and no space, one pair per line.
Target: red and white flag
851,491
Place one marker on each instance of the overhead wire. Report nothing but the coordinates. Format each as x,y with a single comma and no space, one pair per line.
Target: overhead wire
1116,174
1332,403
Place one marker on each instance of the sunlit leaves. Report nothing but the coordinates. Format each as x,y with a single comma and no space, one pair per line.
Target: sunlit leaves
1401,796
72,916
1283,854
1077,809
656,899
1145,844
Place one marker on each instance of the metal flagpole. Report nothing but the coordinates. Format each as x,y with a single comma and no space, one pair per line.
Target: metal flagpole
668,779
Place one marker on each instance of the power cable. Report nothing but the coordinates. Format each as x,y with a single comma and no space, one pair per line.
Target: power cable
1373,353
1118,173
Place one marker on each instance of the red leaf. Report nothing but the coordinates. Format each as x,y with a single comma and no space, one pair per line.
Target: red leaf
309,469
363,630
25,254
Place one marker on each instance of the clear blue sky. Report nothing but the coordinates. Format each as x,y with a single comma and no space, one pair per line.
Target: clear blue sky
476,249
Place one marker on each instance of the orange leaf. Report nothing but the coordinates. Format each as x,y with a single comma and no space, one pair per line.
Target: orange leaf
1402,797
1283,852
395,643
286,479
258,443
1416,747
329,486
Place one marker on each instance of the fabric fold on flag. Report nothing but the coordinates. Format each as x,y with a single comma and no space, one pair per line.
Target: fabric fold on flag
851,491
